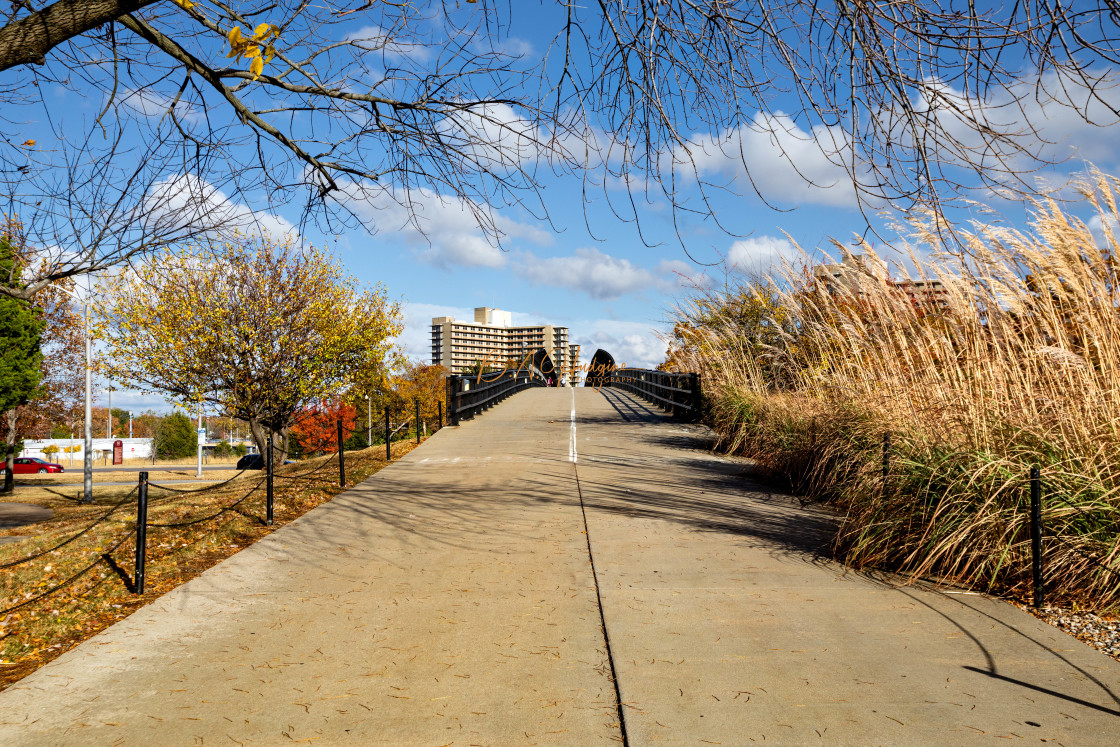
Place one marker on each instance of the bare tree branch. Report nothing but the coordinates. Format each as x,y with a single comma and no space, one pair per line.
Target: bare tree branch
361,105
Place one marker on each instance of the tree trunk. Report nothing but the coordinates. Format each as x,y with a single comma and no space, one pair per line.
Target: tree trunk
10,416
260,436
285,436
279,441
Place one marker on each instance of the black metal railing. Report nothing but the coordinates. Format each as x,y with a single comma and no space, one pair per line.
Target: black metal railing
467,396
678,393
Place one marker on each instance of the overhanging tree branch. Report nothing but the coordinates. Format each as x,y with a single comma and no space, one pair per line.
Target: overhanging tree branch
28,40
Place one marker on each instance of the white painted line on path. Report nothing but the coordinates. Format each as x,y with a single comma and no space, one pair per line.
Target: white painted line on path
572,437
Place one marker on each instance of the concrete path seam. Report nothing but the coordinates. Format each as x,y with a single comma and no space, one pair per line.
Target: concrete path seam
602,614
595,579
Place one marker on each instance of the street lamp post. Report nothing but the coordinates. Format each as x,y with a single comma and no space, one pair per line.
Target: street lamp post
369,423
87,445
199,440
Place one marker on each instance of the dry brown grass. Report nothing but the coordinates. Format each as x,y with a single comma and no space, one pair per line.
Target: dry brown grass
45,628
66,488
1014,372
64,460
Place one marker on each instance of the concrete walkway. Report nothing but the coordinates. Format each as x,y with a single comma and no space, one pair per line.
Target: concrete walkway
22,514
451,599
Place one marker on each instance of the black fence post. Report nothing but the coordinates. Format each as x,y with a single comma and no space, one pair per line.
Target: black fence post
1036,537
141,535
268,481
697,395
417,423
388,445
439,413
341,458
886,456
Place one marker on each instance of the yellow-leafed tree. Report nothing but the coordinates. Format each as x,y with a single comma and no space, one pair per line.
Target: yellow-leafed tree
421,382
259,328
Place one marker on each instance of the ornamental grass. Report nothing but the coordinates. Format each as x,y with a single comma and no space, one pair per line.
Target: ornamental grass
1013,362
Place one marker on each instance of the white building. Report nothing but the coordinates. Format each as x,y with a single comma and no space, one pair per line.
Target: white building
493,340
134,448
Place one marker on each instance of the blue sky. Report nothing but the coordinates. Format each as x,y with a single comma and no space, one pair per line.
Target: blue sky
612,284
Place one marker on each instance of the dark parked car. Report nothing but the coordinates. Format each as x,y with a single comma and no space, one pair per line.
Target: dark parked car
251,461
31,465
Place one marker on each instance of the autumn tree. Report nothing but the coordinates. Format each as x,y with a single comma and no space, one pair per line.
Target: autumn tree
753,327
145,424
205,107
316,427
421,382
258,329
41,353
21,328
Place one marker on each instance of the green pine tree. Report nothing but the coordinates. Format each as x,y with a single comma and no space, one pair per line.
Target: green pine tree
21,328
175,437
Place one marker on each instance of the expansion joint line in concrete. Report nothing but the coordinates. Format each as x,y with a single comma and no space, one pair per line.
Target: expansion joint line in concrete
602,615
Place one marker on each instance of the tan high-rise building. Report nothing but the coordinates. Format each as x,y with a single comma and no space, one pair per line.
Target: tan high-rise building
493,340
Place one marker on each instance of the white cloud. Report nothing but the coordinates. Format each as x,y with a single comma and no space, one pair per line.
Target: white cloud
778,158
151,103
605,277
132,400
1103,228
683,275
416,340
590,271
761,254
632,344
1046,114
495,136
187,201
441,231
393,47
514,47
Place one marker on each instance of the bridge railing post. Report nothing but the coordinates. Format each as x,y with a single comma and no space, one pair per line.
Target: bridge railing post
453,400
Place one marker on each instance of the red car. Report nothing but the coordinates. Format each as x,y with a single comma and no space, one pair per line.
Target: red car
31,465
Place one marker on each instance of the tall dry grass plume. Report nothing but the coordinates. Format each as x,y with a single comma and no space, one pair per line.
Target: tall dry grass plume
993,360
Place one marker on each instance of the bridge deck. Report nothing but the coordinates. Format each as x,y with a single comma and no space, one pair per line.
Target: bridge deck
451,599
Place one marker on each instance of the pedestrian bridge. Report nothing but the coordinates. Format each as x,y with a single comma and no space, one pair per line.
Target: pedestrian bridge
572,567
